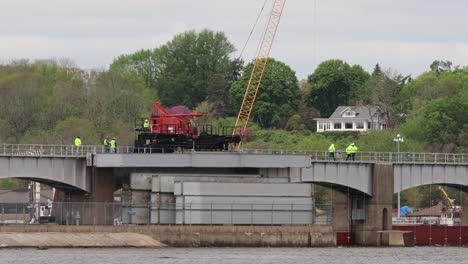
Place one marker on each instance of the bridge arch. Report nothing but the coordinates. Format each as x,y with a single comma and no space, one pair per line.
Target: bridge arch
63,172
356,176
407,176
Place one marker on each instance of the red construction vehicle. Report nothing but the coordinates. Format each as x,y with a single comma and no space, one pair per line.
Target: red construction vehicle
177,128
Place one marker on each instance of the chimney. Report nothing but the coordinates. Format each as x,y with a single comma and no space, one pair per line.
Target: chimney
359,103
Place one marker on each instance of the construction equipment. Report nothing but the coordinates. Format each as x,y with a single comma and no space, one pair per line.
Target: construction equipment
168,130
259,67
450,202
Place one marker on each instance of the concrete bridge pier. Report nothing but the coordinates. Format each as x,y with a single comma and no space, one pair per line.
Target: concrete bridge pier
377,209
83,208
464,206
342,215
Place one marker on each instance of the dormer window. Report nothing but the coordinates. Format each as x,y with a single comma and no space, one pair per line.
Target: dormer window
348,113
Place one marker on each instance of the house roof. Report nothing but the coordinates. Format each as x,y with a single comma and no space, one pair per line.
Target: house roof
22,195
361,111
435,210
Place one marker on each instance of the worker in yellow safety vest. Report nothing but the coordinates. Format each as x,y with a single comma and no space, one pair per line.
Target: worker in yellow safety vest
113,145
146,125
331,152
106,145
351,151
77,145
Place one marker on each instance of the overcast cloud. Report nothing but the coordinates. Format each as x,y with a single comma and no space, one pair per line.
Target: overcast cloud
404,35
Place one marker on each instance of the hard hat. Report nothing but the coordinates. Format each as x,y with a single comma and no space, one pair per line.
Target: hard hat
113,138
352,144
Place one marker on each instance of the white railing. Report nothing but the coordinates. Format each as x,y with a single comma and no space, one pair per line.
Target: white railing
315,155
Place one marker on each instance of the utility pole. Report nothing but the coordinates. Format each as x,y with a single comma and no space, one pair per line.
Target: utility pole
398,139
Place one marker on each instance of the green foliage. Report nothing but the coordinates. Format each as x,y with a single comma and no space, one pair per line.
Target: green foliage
189,69
140,67
332,84
44,102
441,66
376,140
187,64
382,89
294,123
437,108
11,184
277,98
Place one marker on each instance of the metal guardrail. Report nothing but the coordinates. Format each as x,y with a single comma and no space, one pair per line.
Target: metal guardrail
315,155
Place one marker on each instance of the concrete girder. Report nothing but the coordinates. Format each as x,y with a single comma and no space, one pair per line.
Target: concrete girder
407,176
201,160
69,172
355,175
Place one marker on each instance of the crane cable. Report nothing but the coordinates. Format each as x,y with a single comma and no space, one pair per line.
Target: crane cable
252,30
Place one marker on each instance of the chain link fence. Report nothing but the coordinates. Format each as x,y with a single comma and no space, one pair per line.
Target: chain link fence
89,213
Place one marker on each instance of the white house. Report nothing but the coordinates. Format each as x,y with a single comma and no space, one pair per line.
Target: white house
353,118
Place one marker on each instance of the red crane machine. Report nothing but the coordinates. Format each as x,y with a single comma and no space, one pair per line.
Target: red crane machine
174,129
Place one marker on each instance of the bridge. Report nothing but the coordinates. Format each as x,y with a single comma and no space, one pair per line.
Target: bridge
67,167
90,174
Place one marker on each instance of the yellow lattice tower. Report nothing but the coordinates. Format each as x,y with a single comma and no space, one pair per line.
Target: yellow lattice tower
259,67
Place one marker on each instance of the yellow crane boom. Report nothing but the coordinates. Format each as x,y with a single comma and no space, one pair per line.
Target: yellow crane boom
261,60
446,197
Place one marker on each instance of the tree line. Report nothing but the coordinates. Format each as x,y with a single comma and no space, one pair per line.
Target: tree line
53,101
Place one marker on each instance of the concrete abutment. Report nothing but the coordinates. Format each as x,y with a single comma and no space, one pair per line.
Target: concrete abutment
94,208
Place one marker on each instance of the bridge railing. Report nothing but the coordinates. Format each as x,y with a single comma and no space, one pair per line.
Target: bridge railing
367,156
46,150
318,155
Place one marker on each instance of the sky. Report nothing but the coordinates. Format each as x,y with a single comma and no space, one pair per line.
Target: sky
402,35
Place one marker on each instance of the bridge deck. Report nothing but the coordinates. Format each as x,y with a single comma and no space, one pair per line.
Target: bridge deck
319,155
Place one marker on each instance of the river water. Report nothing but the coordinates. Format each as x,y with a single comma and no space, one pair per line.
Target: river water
415,255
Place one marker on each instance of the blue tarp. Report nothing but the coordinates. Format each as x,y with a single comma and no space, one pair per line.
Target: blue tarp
404,209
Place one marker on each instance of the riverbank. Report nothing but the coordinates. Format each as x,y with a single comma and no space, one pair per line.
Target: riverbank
192,236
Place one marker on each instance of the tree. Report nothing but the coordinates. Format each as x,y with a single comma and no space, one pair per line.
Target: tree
218,89
333,84
278,96
444,119
382,89
441,66
377,70
22,100
188,62
141,66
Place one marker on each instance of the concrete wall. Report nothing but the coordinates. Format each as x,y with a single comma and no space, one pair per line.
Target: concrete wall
209,236
152,198
243,189
243,203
